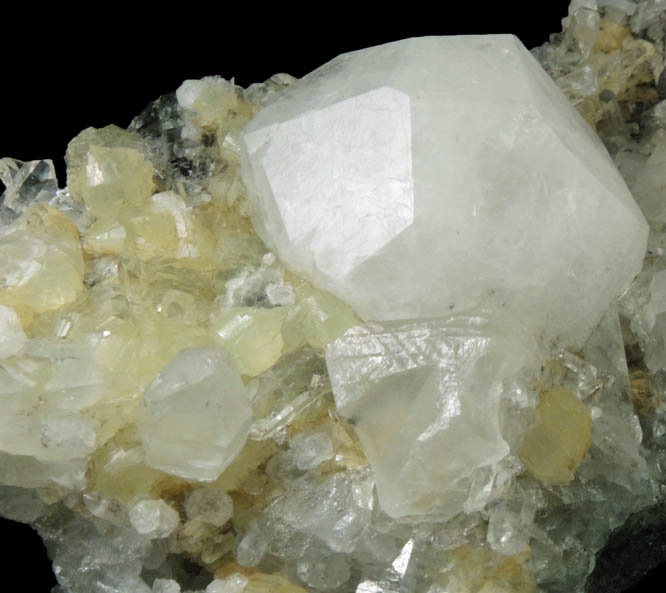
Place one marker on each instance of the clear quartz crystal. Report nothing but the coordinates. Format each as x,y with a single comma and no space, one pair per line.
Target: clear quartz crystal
25,183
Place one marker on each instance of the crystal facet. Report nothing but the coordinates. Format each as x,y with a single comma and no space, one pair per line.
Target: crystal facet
439,174
425,399
195,415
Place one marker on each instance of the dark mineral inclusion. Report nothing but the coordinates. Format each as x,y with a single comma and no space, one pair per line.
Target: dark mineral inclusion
634,548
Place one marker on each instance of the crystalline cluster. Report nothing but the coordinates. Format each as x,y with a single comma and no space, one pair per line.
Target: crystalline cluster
424,398
443,174
186,408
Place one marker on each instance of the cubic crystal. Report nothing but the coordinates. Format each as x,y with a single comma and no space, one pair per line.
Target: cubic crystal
439,174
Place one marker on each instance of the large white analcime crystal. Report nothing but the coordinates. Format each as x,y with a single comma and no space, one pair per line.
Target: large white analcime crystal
425,400
440,174
195,415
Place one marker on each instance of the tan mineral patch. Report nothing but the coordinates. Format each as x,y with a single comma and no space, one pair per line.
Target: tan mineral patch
480,570
554,448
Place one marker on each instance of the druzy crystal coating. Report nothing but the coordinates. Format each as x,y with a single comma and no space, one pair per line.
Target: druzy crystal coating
441,174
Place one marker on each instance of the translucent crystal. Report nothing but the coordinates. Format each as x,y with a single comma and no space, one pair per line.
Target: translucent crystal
252,336
234,583
309,449
42,263
26,184
324,574
20,504
555,447
195,415
649,184
165,586
162,227
107,169
270,583
335,510
153,518
12,337
424,398
510,520
374,168
209,504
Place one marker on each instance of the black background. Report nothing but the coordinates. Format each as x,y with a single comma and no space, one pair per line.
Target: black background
60,73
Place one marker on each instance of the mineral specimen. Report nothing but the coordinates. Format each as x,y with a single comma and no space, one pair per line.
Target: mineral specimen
441,174
474,410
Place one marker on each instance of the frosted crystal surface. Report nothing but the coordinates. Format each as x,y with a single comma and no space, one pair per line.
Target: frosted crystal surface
455,165
310,449
165,586
195,415
153,518
12,337
234,583
209,504
424,398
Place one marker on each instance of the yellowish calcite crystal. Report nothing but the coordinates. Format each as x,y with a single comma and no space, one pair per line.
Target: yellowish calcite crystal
41,264
163,227
318,318
108,170
252,336
480,570
554,448
270,583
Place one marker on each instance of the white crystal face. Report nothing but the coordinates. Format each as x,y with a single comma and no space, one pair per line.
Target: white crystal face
440,174
359,139
424,398
195,415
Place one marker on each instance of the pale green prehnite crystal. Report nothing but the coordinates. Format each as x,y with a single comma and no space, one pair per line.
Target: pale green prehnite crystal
441,174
